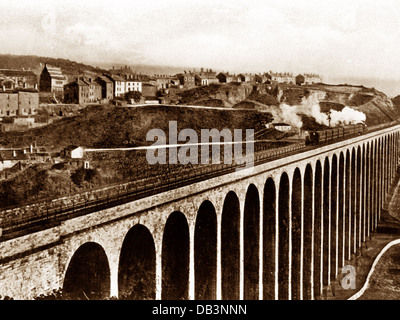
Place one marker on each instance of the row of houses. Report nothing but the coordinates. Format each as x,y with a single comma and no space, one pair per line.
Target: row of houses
308,78
91,87
206,78
287,77
12,79
103,88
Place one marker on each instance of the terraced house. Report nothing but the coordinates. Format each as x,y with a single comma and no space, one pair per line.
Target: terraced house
107,87
205,77
133,83
119,84
82,91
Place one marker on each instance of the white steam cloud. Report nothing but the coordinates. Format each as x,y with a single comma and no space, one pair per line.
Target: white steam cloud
310,107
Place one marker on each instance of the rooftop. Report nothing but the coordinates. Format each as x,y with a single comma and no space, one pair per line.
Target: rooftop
55,72
105,79
116,77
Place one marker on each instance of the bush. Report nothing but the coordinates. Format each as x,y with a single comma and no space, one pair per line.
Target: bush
82,174
79,176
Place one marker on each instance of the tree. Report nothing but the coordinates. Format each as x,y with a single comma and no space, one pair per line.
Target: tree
79,176
133,95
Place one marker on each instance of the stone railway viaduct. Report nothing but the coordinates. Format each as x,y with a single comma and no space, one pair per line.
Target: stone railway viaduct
281,230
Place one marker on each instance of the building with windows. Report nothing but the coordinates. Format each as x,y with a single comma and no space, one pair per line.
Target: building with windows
282,77
187,79
205,77
119,84
225,77
107,87
82,91
76,92
52,80
23,102
133,83
247,77
311,78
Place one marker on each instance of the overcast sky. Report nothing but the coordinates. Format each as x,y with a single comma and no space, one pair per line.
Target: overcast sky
333,37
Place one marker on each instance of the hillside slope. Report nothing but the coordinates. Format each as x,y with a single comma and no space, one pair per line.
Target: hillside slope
110,126
36,64
376,106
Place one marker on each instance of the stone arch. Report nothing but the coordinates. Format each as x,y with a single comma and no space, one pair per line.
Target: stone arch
269,241
390,155
386,165
390,159
347,211
358,195
395,141
394,160
230,247
375,185
333,217
88,274
175,258
379,178
205,252
353,197
137,265
341,209
362,197
317,229
296,233
367,189
283,239
251,230
326,223
308,215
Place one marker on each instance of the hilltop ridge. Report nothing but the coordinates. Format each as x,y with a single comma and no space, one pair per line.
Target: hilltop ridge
36,63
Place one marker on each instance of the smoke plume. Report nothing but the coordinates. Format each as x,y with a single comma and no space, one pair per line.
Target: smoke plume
310,107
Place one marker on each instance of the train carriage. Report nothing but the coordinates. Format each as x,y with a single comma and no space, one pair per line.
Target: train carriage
328,135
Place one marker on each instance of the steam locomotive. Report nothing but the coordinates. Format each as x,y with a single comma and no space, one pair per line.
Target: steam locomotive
328,135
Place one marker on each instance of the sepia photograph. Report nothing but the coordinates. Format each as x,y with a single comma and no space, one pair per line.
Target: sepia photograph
214,152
